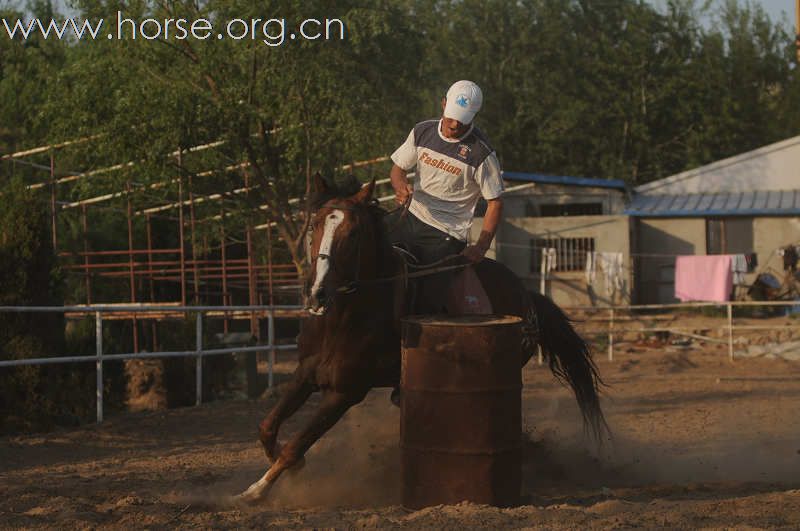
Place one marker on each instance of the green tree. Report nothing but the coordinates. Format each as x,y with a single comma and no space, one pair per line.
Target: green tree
29,277
285,111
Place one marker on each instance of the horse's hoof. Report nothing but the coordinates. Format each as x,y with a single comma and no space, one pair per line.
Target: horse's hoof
254,494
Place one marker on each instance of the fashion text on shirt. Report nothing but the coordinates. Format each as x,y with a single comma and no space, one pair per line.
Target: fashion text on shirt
440,164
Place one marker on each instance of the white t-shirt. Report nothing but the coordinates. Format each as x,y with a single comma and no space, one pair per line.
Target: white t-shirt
452,174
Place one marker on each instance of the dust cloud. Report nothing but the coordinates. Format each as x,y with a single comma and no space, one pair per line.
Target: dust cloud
356,464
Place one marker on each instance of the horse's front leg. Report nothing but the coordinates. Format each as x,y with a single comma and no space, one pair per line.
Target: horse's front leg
333,406
294,396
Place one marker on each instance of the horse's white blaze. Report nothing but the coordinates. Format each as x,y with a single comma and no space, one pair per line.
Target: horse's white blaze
332,222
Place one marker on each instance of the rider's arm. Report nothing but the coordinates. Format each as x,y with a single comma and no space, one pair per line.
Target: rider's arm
404,158
491,220
402,188
489,178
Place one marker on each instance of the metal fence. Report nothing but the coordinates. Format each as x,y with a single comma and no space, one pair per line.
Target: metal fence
198,353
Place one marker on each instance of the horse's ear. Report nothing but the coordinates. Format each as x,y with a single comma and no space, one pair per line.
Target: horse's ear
365,194
319,186
320,191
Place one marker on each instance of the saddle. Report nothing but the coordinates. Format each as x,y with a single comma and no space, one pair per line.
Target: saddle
462,292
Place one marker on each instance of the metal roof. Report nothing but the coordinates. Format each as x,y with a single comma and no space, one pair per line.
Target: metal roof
751,203
564,179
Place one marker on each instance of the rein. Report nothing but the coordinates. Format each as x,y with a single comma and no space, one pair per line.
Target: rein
421,271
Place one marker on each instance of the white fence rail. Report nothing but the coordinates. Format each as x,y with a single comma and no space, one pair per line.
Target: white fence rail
198,353
270,346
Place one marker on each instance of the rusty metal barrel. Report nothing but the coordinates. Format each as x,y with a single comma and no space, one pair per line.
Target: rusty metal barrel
461,418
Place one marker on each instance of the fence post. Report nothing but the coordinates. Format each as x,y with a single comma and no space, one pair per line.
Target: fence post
98,330
198,368
730,331
611,335
271,339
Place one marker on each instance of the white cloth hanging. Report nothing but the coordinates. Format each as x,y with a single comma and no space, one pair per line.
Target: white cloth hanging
551,260
611,266
738,268
590,272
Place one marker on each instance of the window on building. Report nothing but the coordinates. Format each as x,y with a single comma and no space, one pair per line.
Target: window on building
570,252
729,235
571,209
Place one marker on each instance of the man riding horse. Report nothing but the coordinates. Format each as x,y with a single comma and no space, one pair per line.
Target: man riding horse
357,283
455,166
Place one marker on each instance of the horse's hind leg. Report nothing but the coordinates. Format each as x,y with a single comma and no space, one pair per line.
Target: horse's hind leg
333,406
295,395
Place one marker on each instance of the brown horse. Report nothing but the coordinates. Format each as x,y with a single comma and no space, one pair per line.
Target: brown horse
351,341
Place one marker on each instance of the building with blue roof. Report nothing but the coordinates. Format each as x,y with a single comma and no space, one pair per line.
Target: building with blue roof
747,204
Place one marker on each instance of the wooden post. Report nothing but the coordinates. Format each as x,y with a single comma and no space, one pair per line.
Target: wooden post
611,335
730,331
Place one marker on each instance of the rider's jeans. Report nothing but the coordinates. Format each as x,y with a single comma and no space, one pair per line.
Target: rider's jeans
428,244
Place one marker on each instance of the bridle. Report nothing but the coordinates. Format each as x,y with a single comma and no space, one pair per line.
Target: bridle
352,285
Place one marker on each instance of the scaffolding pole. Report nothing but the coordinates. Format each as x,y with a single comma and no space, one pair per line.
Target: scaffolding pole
87,275
224,256
53,209
193,241
180,228
131,268
153,327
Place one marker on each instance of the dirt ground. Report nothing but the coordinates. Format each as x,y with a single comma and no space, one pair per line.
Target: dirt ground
699,442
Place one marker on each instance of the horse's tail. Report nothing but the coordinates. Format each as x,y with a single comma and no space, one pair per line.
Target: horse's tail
570,360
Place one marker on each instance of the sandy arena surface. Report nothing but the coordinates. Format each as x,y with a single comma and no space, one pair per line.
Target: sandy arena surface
699,442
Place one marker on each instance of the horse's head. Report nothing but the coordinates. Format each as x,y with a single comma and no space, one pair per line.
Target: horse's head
338,249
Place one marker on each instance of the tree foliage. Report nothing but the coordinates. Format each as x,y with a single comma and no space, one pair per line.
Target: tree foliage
617,89
29,277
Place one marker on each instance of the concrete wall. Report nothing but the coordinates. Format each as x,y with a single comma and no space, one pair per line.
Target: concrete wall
771,233
512,247
654,275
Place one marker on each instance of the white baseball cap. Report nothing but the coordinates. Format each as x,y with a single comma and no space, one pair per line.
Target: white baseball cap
464,100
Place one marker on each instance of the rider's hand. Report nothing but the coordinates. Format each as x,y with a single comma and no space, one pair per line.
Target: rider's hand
403,195
474,253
